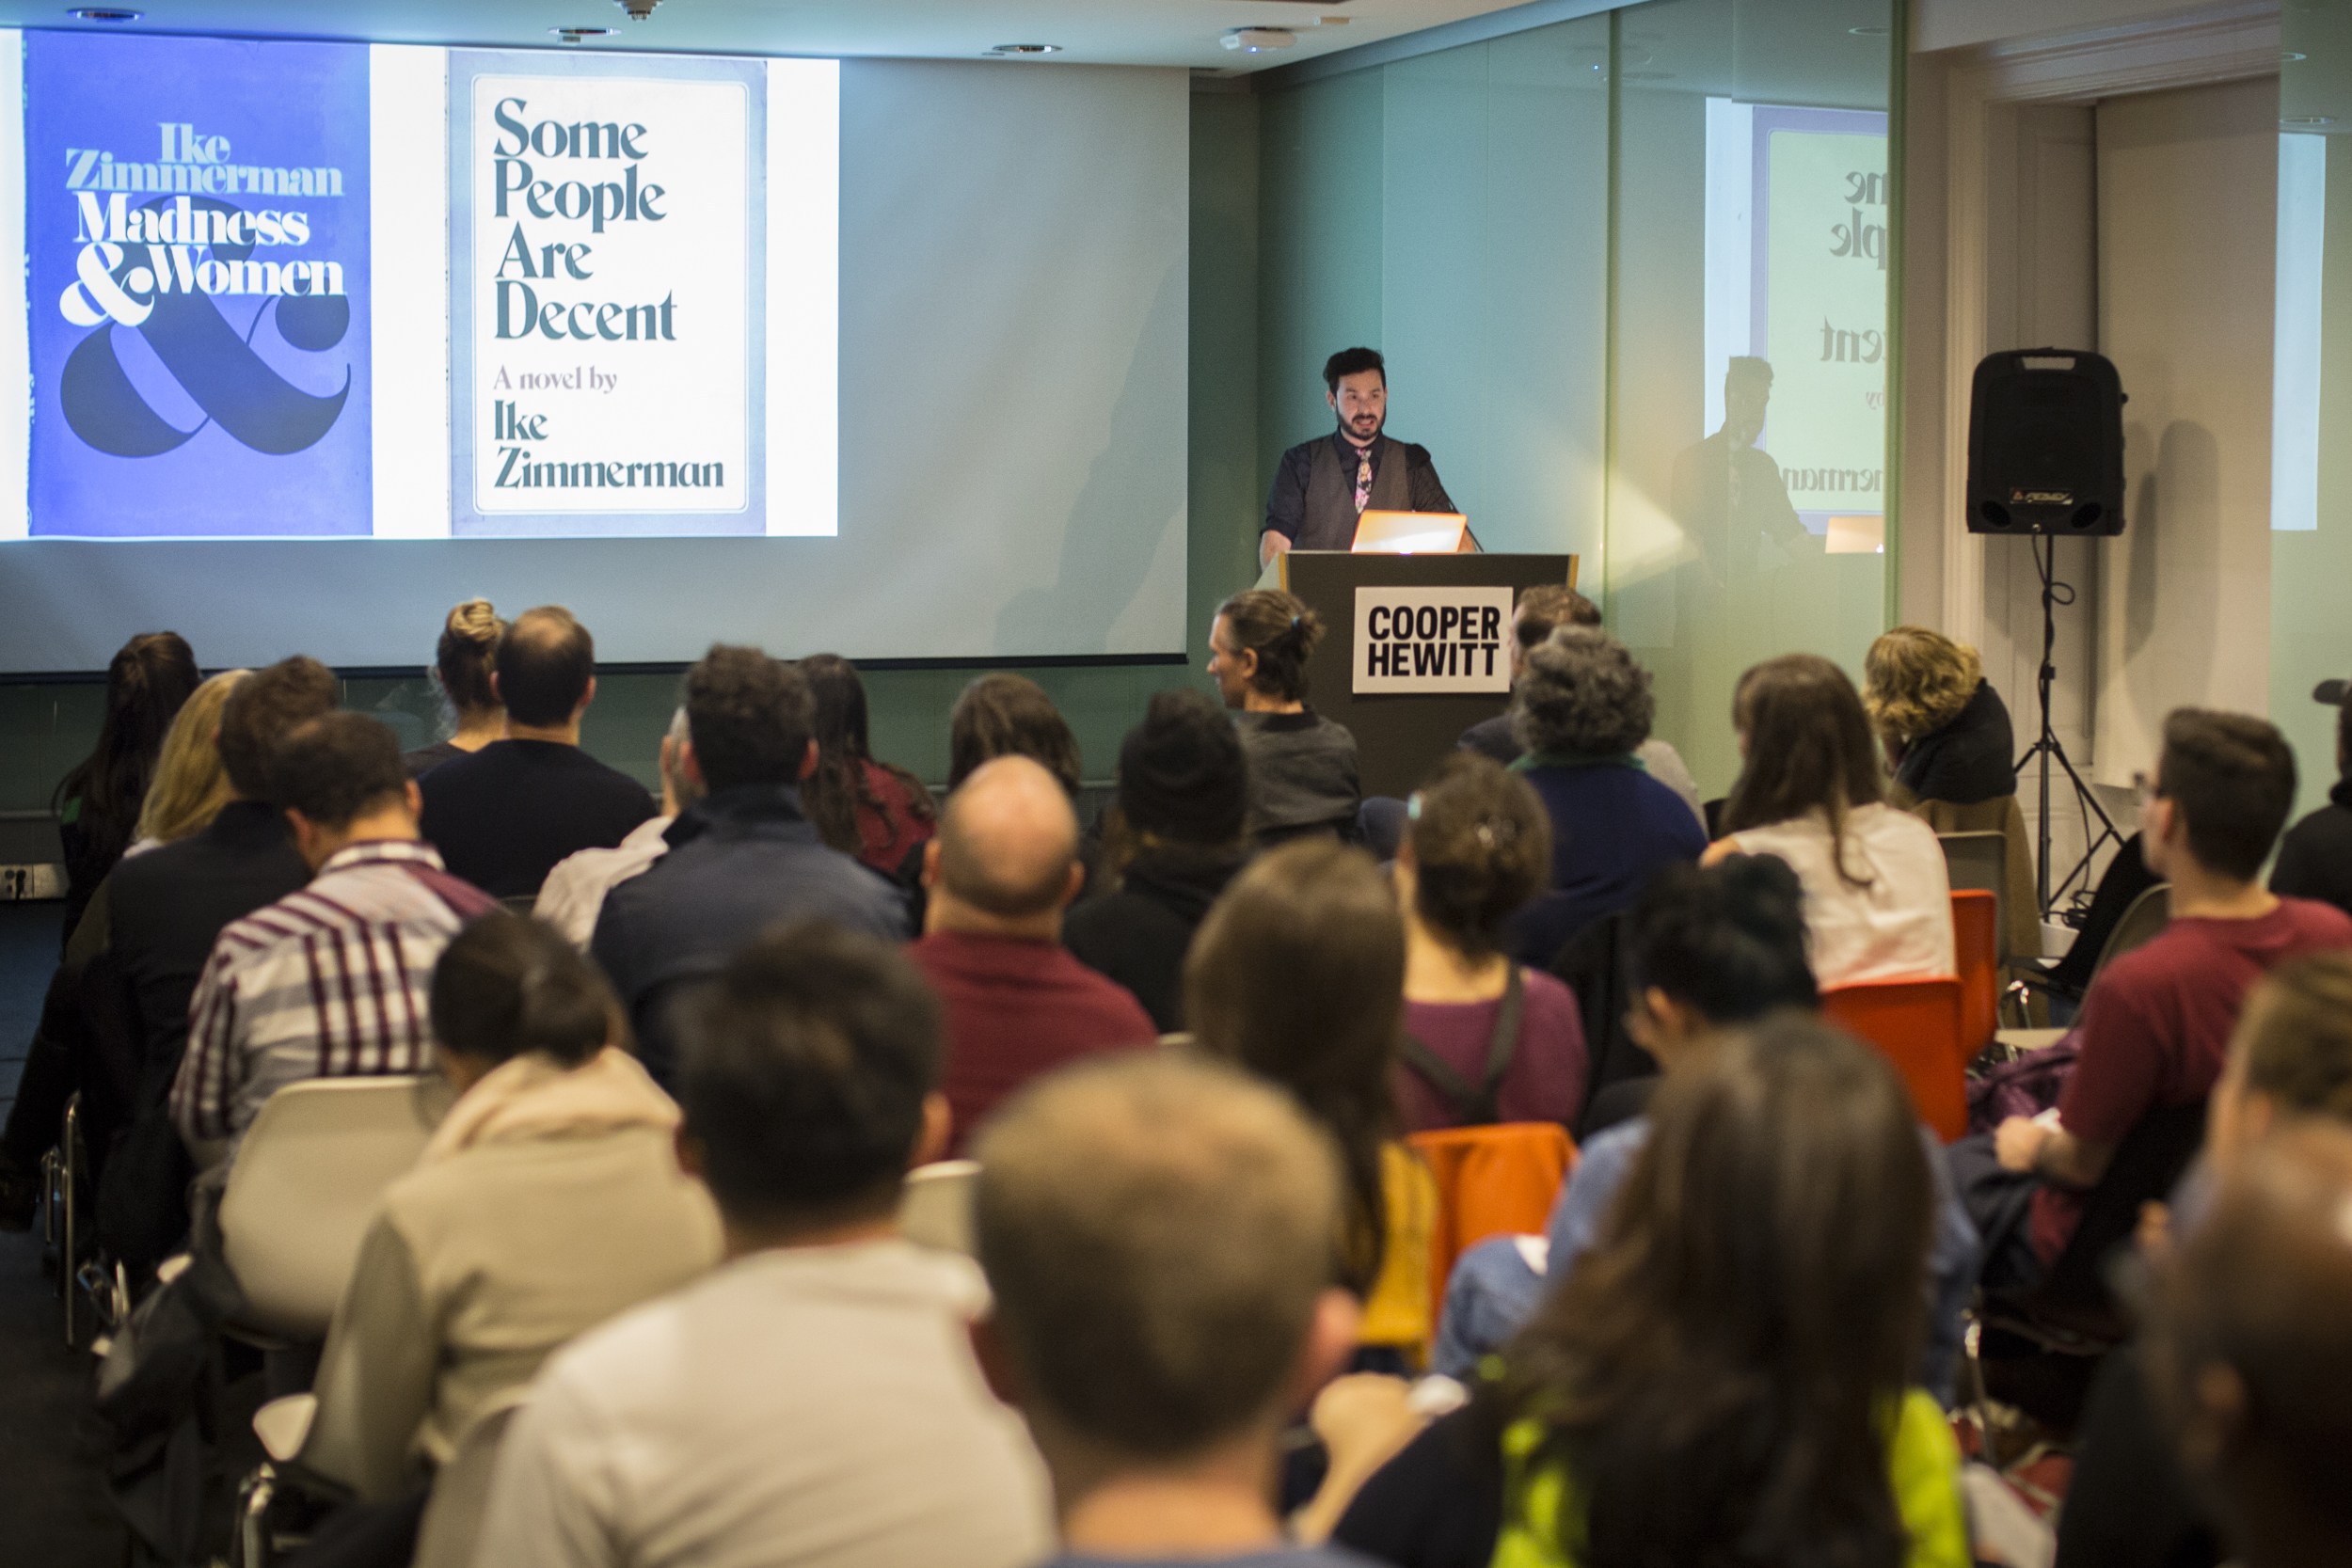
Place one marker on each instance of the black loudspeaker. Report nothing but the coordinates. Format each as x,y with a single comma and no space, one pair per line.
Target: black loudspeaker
2045,444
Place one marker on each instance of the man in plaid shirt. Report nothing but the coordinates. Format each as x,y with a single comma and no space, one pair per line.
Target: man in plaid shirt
334,980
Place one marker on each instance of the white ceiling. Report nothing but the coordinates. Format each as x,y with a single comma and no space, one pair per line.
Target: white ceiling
1092,32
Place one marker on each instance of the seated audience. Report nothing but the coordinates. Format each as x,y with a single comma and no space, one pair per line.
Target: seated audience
167,908
1486,1040
502,816
187,792
2289,1063
1298,974
1949,744
97,804
1001,870
1173,836
1723,1379
741,858
2250,1346
876,811
1710,952
1542,610
461,673
2316,857
1006,715
548,1199
1581,708
1303,766
573,896
2156,1024
1153,1233
814,1399
1878,899
375,917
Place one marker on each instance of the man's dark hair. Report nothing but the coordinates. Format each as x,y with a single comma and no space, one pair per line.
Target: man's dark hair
337,768
1727,939
2232,777
261,709
804,1073
1353,361
545,662
750,718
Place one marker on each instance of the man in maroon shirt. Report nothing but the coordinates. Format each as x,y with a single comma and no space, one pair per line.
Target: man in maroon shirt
2155,1027
1000,872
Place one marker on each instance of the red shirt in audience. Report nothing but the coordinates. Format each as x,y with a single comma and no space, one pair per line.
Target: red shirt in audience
2156,1026
1016,1009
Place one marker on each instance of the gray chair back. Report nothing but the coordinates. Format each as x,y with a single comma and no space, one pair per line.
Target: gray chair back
2144,920
1980,861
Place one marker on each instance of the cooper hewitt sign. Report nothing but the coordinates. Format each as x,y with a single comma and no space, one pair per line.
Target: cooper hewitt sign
1431,640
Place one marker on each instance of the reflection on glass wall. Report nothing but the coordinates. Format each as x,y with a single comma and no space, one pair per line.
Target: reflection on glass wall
1746,512
2310,489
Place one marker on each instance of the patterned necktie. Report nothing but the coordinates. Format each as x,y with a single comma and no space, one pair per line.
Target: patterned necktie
1363,478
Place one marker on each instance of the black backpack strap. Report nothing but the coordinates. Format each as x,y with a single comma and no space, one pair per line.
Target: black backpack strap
1474,1103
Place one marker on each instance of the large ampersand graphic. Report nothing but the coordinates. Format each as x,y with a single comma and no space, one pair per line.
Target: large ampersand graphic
213,361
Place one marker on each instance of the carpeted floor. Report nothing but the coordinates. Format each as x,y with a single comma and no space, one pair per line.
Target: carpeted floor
53,1511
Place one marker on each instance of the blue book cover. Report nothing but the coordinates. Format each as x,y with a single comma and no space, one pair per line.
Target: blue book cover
197,228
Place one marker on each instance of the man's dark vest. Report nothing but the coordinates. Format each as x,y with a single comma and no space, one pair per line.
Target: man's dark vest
1329,523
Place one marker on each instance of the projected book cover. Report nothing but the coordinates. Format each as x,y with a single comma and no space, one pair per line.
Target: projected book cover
606,284
196,231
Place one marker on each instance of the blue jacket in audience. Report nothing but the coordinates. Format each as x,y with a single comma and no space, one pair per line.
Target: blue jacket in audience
739,862
1612,828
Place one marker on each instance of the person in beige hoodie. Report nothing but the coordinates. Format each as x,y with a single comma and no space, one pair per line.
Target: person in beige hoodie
549,1200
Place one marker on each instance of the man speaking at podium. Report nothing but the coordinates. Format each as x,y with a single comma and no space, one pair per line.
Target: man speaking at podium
1322,486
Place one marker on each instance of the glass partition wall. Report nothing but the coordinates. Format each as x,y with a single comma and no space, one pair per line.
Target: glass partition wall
1749,370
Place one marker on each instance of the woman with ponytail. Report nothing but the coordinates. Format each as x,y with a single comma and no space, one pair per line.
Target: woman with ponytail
1302,766
462,665
548,1199
875,811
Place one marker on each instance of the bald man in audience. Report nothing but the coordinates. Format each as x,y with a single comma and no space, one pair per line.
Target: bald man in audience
2251,1350
502,816
1001,871
1156,1232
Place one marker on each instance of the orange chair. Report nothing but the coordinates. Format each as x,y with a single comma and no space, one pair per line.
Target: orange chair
1915,1024
1976,933
1497,1180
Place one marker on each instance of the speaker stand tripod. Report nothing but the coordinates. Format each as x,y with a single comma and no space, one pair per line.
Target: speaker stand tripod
2048,750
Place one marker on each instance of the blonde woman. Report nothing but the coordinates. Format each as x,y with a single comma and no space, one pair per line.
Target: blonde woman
462,665
190,786
1951,752
1945,730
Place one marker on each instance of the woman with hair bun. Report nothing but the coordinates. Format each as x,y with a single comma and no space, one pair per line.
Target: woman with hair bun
548,1199
1303,776
1477,846
463,662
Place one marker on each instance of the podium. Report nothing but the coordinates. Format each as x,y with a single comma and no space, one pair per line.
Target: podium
1400,736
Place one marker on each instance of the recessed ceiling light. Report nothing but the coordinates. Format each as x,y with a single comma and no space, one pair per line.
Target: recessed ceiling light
573,34
1257,40
1019,49
2288,57
2308,120
104,13
1869,32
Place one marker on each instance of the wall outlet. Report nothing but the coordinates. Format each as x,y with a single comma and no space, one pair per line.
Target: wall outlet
20,882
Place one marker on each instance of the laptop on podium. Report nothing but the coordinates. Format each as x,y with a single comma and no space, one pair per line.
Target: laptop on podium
1413,534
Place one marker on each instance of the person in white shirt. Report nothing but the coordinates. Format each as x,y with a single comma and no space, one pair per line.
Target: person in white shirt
814,1401
573,896
1878,898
